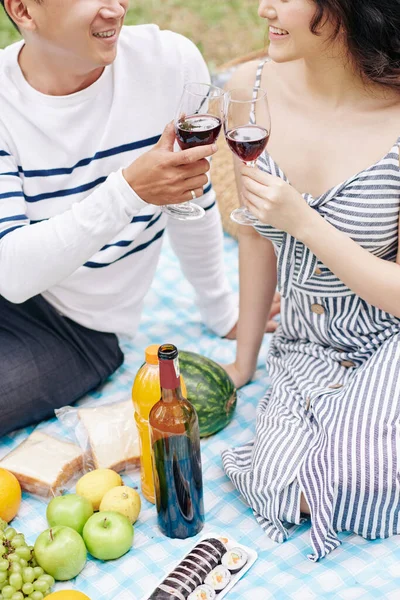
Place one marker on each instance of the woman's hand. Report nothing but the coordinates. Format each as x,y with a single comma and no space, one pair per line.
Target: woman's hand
239,379
273,201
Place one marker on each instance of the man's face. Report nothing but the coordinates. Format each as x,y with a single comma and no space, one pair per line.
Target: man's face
84,32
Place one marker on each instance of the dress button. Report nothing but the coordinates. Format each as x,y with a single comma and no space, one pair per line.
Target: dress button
317,309
318,271
308,403
335,386
347,364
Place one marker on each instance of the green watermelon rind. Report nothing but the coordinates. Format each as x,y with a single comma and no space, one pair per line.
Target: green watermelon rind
210,390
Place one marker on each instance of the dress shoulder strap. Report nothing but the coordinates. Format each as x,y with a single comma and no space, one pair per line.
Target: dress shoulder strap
259,71
257,86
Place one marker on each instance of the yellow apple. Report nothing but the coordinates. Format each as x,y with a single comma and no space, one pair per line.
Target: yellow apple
123,500
95,484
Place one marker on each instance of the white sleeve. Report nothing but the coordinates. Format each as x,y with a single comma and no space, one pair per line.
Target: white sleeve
199,244
34,257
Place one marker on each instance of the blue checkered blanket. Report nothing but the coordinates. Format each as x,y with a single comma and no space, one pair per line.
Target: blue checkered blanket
357,570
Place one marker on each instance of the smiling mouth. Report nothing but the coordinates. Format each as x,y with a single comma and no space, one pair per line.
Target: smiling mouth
105,34
278,31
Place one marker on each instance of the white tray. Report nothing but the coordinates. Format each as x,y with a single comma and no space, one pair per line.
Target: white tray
229,543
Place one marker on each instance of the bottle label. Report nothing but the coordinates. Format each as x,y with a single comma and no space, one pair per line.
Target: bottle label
169,374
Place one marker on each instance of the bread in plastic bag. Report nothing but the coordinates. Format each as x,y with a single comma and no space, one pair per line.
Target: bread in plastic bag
107,434
44,464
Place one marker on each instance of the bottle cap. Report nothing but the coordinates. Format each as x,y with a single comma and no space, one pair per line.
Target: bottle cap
151,354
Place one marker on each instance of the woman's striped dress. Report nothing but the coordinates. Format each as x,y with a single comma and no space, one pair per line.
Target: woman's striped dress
329,425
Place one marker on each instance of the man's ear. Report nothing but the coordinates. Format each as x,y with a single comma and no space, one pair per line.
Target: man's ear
20,13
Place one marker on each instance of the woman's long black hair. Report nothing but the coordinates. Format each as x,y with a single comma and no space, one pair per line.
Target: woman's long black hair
372,28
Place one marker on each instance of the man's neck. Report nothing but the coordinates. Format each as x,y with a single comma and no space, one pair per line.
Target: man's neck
52,78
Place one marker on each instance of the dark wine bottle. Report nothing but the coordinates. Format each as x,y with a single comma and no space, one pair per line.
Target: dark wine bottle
175,440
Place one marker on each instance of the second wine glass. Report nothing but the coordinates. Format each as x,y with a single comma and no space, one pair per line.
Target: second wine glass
247,125
198,122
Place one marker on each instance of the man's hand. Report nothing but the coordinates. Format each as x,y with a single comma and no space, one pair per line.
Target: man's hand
271,324
162,176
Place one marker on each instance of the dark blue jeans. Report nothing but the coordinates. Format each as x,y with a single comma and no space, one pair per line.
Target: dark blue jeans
47,361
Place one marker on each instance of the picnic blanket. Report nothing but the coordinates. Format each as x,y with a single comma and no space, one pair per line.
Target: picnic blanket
359,569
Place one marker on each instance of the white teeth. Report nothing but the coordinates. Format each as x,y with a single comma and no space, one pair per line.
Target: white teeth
278,31
105,34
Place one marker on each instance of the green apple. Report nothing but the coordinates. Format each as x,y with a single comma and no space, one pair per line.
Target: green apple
108,535
70,510
61,552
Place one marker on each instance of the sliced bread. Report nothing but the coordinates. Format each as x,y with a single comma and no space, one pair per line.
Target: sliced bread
43,464
112,434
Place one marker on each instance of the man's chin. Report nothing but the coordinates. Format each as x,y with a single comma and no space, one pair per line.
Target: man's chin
107,59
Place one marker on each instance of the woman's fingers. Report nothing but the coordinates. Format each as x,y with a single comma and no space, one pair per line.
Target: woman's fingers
256,188
254,202
271,327
258,175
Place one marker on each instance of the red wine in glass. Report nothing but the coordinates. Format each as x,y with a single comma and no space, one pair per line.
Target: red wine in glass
198,122
247,142
197,130
247,126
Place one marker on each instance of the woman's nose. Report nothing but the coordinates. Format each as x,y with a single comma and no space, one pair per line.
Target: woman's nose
266,10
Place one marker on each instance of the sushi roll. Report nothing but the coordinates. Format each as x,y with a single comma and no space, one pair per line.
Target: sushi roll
235,559
203,592
190,574
219,578
180,583
208,558
200,561
164,592
195,567
217,553
216,547
159,594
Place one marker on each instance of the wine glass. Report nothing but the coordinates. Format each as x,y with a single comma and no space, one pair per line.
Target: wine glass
198,122
247,126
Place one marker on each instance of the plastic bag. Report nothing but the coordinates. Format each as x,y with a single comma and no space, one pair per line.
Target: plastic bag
107,435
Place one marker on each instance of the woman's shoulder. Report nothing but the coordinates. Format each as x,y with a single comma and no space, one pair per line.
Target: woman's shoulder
245,74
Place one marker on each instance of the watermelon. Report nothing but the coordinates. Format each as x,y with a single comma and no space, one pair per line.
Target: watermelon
210,390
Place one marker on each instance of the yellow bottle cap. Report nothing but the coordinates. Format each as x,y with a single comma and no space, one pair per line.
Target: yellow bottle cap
151,354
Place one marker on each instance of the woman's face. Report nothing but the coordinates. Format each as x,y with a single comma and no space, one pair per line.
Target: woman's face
289,29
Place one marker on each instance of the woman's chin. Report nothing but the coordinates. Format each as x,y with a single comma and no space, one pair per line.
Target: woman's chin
280,54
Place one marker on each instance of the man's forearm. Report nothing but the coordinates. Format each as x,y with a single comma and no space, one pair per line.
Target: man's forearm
199,247
33,258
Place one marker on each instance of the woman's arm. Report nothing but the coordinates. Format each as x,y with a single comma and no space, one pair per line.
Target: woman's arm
375,280
257,272
257,280
275,202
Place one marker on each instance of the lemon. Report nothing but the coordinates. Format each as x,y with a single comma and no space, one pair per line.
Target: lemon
95,484
123,500
67,595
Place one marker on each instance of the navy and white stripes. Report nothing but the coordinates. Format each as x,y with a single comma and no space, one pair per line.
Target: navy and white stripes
329,425
71,228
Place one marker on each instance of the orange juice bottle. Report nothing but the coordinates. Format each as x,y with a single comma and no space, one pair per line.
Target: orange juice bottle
146,392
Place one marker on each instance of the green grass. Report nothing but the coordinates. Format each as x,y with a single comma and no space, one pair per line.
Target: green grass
222,29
